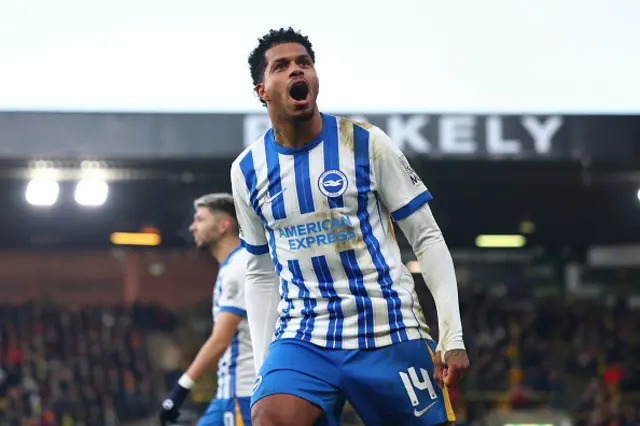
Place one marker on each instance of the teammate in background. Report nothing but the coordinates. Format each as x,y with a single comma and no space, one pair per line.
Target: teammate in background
215,228
315,197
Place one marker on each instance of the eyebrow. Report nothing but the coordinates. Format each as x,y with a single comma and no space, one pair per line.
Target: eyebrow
285,59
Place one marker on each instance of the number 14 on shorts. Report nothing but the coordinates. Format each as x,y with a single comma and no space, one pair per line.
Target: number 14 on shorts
412,382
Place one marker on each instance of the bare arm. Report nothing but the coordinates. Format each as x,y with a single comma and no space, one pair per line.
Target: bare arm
221,336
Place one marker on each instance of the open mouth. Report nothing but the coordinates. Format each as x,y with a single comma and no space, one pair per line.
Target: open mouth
299,91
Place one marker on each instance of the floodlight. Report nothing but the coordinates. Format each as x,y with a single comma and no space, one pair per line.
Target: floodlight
91,192
42,192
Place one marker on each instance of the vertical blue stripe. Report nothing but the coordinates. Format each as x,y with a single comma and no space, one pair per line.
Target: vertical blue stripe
363,302
221,376
363,183
331,154
303,182
308,313
285,317
275,184
233,365
249,172
380,216
334,306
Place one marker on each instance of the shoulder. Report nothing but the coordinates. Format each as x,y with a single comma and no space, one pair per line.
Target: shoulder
236,165
237,265
379,142
374,132
344,123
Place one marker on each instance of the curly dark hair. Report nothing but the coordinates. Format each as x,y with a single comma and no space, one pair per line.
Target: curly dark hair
257,59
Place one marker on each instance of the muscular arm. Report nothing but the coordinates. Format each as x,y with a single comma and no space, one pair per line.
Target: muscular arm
221,336
438,271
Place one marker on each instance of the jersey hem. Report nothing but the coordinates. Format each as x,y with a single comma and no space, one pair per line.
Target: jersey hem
412,334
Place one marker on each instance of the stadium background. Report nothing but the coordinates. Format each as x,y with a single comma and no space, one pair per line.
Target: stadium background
95,326
97,329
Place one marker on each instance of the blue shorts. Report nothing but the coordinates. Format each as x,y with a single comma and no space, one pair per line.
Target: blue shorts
227,412
392,385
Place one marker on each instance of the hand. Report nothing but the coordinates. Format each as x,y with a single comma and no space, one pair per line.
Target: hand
456,363
170,409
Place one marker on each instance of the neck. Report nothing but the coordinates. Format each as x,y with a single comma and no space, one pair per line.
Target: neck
292,134
225,246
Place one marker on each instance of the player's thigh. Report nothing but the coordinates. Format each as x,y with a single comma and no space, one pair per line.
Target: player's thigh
298,385
394,385
227,412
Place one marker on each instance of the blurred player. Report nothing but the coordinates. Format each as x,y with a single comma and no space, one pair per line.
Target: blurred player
215,228
314,198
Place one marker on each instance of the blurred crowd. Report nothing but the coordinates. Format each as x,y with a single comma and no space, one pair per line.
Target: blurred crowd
75,367
574,355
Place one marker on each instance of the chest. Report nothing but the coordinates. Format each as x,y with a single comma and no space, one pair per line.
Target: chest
314,190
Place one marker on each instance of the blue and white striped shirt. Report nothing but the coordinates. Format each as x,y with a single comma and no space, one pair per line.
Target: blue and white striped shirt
323,213
236,372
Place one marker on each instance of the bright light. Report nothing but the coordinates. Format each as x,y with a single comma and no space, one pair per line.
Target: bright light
638,194
500,241
135,239
92,192
42,192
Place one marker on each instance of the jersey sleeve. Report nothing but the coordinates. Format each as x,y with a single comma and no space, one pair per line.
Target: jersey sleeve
252,232
399,187
232,292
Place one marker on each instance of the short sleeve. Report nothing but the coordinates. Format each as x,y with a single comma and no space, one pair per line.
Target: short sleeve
232,291
400,188
252,231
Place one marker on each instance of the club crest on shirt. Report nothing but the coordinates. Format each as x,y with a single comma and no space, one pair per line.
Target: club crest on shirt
333,183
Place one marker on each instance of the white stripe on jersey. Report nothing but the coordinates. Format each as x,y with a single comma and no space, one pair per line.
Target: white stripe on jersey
236,371
325,216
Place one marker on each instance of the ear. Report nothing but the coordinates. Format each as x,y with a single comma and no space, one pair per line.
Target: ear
227,225
261,92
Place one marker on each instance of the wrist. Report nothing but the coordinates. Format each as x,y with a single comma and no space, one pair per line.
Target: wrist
186,382
451,346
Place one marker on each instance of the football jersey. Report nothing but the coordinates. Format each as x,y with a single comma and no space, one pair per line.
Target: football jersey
236,372
323,212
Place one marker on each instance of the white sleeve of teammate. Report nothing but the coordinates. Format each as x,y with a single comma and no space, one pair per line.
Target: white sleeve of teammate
232,297
404,195
261,282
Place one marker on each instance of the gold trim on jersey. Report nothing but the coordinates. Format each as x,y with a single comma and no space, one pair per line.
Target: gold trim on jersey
451,416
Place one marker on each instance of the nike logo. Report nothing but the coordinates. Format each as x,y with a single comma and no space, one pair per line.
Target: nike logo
269,198
419,413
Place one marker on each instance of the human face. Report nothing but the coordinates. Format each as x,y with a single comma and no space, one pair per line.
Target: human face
290,85
208,227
